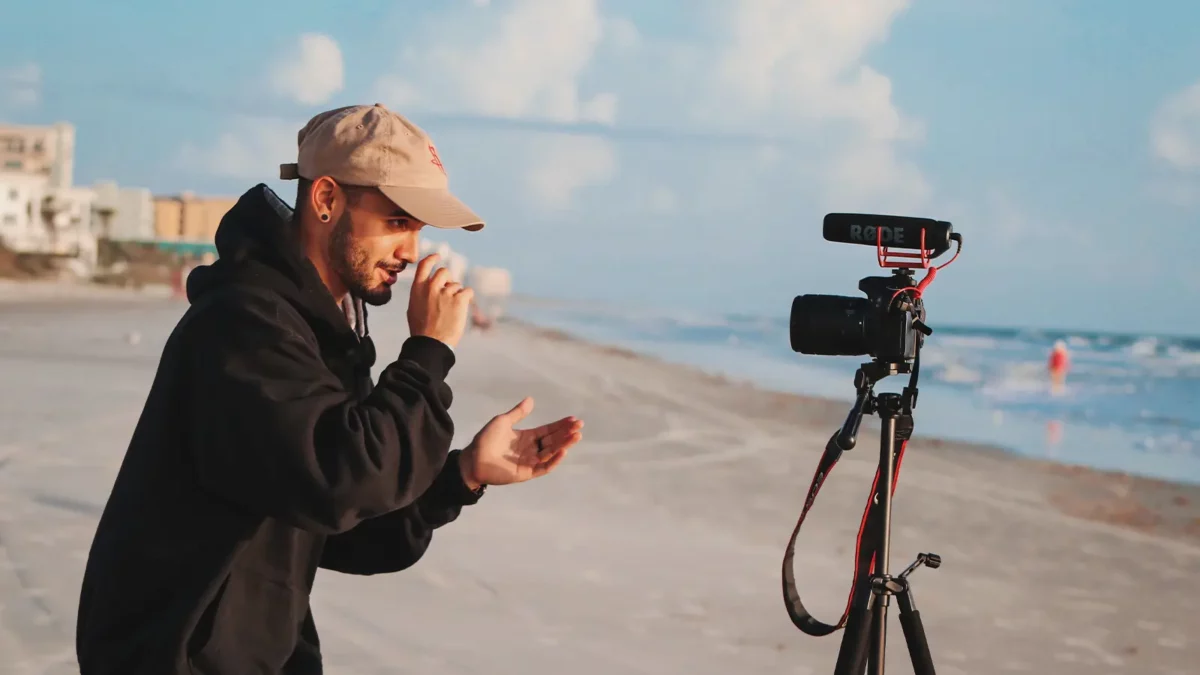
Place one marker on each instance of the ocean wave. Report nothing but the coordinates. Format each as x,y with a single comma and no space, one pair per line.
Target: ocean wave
1135,390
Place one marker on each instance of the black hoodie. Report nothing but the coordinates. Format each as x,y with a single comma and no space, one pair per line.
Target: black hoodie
263,452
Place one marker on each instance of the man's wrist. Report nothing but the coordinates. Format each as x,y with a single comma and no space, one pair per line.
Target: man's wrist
465,459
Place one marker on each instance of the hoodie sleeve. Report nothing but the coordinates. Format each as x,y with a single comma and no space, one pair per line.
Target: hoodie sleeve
275,431
397,540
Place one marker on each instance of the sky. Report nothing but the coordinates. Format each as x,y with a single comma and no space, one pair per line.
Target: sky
681,154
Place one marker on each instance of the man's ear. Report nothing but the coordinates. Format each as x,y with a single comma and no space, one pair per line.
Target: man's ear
324,197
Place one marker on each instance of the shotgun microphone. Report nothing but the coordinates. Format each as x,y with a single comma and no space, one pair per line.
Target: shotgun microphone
890,231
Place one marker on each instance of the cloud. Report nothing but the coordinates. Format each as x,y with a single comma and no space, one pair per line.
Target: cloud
1175,143
563,164
309,72
20,86
800,62
798,68
525,62
249,149
1175,129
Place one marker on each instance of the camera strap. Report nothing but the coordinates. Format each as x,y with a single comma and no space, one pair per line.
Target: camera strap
864,549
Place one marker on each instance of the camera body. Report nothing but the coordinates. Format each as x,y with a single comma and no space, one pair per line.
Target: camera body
885,325
889,323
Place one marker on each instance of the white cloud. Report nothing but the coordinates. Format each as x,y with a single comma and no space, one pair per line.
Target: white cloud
525,62
790,62
20,86
250,149
798,68
562,164
1175,142
1175,129
310,72
622,33
869,174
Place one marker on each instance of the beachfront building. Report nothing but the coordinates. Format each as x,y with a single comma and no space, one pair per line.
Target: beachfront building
46,151
41,218
123,213
189,218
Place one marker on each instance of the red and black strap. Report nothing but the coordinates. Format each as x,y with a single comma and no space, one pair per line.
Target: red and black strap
864,549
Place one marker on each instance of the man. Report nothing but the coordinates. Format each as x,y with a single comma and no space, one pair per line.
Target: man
264,451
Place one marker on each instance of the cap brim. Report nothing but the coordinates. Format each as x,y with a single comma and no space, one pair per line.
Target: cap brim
433,206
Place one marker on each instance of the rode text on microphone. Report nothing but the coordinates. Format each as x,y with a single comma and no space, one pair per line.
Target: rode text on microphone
887,325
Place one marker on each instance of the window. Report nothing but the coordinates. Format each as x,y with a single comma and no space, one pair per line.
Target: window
10,219
13,164
13,195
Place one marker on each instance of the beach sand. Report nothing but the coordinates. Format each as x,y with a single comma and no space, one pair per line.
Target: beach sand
655,548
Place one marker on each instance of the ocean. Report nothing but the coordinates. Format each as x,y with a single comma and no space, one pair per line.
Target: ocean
1128,404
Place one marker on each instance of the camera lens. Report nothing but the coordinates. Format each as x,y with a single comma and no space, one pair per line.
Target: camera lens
830,325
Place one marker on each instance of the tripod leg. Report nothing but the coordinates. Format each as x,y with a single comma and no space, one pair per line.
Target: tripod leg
852,656
878,645
914,633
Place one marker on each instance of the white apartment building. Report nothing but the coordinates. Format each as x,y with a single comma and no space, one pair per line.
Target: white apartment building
40,218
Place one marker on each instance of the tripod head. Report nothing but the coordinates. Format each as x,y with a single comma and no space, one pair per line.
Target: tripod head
868,403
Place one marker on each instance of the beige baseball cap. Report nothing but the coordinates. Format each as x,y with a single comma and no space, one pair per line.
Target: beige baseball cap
372,146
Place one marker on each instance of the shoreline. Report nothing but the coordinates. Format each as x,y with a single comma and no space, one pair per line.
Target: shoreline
1149,506
1152,506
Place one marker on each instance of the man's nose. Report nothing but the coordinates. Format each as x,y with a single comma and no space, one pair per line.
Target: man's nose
407,250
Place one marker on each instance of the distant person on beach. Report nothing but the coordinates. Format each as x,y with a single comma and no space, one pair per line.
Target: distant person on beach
265,451
1058,365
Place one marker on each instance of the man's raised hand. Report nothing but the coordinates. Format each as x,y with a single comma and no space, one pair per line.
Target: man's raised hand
437,306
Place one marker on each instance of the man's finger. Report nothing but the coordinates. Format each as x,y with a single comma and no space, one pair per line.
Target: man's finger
552,445
422,272
519,412
559,438
551,463
441,277
556,426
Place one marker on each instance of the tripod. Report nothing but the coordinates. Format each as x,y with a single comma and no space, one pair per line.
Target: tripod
865,619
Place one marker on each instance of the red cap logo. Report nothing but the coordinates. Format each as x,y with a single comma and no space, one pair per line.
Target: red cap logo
436,161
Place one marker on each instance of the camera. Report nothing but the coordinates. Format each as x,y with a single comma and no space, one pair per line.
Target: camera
888,324
880,325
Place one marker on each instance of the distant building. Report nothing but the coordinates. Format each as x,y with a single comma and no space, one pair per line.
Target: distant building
493,282
123,213
188,217
47,151
492,286
40,218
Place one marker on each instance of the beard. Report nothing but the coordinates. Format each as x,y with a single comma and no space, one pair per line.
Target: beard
354,267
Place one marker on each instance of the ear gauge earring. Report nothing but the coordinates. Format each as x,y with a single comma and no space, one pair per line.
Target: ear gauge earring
324,217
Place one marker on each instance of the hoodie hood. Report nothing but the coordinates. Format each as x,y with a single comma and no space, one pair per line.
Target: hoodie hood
258,245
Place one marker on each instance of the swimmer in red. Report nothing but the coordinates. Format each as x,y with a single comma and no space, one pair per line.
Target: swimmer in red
1059,363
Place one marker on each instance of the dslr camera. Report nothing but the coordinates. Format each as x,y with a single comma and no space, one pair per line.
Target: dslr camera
888,324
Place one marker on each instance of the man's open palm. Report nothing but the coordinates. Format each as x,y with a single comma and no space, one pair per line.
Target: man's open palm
501,455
